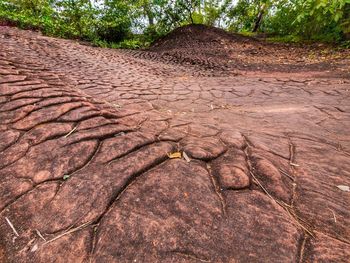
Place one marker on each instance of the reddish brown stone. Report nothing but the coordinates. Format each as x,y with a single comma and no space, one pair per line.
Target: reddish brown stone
184,219
232,170
91,173
8,138
326,249
203,148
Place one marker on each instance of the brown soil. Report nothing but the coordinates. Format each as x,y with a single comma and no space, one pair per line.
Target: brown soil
220,52
86,133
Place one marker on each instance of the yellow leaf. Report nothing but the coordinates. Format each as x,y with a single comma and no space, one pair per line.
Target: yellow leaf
174,155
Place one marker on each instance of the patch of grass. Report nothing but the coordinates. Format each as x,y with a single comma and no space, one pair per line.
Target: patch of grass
248,34
131,43
285,39
128,44
345,44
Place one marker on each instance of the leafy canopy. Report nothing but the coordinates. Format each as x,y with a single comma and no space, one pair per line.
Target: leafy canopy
138,22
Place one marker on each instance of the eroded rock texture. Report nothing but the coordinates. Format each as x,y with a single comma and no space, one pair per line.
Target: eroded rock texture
85,174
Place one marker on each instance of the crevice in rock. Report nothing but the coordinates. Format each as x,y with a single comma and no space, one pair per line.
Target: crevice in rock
292,153
3,166
321,141
99,137
88,161
217,189
6,81
118,194
36,87
346,241
14,108
339,109
41,122
288,208
27,192
190,255
301,248
13,143
325,112
136,148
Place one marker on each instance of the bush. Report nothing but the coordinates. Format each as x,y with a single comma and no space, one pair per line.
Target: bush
112,31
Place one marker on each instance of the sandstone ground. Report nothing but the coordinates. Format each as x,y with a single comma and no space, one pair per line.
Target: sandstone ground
86,136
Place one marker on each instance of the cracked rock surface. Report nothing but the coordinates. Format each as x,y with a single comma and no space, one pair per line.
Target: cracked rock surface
85,173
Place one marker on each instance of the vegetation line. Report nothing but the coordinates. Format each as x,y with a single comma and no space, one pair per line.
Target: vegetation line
135,24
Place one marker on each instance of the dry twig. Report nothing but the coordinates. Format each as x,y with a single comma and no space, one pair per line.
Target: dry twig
68,232
12,227
69,133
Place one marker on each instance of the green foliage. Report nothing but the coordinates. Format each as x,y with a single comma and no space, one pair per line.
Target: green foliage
321,20
345,44
242,15
115,21
78,17
136,23
129,44
285,39
213,10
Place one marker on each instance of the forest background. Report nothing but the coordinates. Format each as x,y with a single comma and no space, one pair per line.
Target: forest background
137,23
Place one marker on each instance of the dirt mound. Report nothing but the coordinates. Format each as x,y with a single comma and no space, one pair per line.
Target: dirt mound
216,51
196,36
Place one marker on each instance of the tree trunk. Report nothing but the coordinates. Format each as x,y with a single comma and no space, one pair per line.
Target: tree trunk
259,18
346,22
192,22
149,14
150,20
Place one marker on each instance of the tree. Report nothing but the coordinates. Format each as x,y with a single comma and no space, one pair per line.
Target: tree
115,20
78,14
259,17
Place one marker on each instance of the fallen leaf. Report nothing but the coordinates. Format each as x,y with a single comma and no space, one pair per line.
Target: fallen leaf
344,188
175,155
